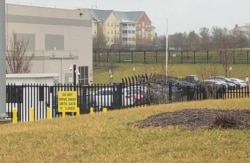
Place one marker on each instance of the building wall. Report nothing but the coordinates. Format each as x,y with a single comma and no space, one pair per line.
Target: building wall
144,27
60,37
110,28
128,34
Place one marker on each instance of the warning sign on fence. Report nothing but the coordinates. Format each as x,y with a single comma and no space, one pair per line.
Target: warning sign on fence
67,100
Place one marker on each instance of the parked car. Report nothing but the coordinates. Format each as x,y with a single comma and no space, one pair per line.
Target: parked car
192,79
230,84
104,97
217,82
140,93
241,82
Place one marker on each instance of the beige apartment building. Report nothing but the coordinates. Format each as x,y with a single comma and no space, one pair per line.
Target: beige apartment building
58,38
128,29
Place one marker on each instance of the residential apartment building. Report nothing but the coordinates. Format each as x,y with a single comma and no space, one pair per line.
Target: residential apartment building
123,29
58,38
241,30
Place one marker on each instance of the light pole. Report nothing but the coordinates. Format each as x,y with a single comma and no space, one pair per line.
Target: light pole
2,61
166,49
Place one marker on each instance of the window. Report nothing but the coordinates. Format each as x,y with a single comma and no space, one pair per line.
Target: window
27,38
52,41
143,24
84,76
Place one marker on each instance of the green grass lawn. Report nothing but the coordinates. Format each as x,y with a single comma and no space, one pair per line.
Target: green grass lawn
110,137
101,74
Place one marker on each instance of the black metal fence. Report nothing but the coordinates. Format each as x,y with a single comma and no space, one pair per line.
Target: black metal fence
134,91
179,57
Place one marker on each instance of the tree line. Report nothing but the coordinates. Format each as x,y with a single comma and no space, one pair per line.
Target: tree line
217,38
206,39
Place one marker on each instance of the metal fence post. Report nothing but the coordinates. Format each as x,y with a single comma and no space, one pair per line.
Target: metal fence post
170,92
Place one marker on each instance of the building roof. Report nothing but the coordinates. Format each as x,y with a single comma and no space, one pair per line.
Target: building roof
100,15
122,16
132,16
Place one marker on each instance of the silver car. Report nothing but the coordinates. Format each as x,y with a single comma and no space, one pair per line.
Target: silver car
104,97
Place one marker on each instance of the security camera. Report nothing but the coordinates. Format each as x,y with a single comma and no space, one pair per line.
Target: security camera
81,14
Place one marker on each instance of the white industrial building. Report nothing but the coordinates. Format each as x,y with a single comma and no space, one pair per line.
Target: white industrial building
58,38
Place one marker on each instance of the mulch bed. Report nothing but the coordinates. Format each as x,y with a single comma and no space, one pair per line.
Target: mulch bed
199,119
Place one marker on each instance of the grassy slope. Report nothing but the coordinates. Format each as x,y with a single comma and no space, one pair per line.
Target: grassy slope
101,75
108,137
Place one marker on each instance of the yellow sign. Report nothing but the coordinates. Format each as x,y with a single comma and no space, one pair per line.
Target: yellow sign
67,100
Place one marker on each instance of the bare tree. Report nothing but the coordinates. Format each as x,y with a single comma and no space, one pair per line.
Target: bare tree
205,38
193,40
206,70
17,60
99,42
178,41
226,58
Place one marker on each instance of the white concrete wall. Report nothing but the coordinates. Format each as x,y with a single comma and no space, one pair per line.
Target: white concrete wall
76,29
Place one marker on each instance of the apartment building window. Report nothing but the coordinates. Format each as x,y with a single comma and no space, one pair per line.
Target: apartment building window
124,39
124,31
124,25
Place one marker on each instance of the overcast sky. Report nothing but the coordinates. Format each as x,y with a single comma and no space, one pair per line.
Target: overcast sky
174,15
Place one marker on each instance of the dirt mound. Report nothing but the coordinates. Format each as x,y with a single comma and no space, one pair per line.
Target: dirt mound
199,118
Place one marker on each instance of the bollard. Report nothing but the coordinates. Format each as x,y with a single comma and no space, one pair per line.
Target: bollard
32,114
14,120
49,113
105,110
92,110
63,113
77,111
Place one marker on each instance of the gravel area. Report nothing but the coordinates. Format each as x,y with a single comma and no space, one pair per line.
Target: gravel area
199,118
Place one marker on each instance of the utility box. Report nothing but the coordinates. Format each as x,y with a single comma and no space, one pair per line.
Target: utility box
117,95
